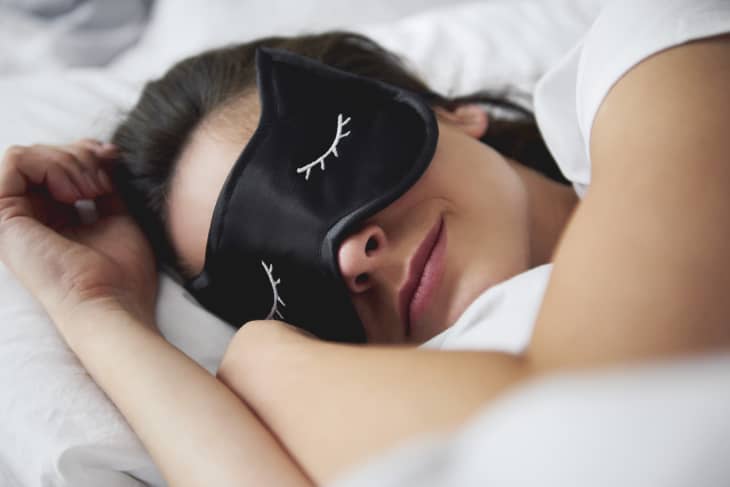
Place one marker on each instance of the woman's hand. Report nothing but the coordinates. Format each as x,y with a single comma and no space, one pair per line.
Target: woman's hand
70,267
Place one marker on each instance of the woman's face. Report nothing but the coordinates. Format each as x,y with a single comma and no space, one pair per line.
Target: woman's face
413,267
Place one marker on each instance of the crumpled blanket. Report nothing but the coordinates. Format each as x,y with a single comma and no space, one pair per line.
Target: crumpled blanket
46,35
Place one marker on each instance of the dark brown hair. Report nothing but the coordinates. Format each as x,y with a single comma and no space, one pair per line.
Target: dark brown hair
153,134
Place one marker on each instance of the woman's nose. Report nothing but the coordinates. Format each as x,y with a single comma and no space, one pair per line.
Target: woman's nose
359,256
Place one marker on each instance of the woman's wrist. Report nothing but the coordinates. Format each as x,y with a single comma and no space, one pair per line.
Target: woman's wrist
95,318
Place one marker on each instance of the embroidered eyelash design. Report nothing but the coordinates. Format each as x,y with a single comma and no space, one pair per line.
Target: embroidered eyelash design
275,312
307,168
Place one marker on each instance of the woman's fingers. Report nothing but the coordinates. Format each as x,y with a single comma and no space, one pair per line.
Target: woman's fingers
61,186
105,154
45,158
101,149
70,172
93,156
33,177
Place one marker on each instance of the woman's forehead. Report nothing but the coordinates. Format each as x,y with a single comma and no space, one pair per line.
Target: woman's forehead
200,171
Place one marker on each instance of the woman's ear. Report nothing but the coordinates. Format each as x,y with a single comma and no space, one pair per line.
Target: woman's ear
470,118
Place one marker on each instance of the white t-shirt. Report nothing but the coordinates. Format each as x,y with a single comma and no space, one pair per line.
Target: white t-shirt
501,318
566,100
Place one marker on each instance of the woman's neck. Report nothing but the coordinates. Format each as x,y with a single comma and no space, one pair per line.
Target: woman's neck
550,205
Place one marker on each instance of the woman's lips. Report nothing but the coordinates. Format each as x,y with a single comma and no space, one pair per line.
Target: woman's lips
424,272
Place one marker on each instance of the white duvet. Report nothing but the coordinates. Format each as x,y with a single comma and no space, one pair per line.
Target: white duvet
59,429
663,424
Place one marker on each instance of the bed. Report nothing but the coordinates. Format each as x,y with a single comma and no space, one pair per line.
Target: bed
71,69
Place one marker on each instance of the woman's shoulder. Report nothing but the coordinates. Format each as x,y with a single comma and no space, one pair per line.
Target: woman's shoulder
630,31
649,234
625,33
672,110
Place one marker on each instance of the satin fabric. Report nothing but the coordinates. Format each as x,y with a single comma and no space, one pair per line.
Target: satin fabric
331,149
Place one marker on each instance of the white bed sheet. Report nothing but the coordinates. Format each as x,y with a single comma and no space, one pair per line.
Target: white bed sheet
58,428
50,35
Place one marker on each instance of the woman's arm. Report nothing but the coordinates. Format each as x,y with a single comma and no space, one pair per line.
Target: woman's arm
335,405
196,430
644,266
98,283
642,272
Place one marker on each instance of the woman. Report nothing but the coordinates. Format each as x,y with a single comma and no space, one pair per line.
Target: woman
500,217
612,297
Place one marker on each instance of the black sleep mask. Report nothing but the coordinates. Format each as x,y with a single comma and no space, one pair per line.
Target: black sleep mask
331,149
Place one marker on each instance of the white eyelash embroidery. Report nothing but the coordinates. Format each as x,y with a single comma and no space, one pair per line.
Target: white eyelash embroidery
274,313
307,168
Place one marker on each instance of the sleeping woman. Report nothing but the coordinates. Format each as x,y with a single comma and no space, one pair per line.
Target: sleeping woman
313,191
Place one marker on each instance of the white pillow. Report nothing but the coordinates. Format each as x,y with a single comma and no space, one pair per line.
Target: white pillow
50,35
58,428
55,108
179,29
502,46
